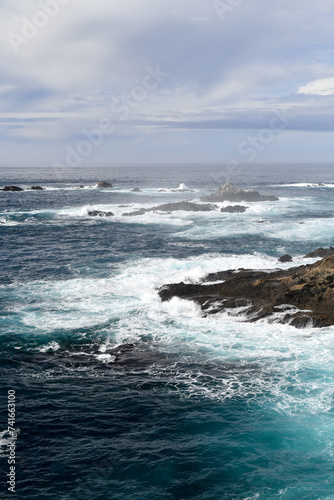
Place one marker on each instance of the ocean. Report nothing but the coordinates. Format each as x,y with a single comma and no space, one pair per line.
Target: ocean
121,396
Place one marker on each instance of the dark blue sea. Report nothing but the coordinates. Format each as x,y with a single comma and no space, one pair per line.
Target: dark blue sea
120,396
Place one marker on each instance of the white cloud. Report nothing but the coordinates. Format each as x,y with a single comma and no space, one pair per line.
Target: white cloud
324,86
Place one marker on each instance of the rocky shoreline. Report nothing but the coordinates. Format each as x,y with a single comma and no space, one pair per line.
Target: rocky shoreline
301,296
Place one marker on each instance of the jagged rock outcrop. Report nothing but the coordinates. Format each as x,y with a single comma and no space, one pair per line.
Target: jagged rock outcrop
320,252
301,296
229,192
99,213
172,207
104,184
12,188
285,258
234,209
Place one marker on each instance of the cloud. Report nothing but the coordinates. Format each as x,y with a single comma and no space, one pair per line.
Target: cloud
324,86
223,75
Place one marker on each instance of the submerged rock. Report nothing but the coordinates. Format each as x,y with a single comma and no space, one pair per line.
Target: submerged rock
104,184
320,252
172,207
229,192
301,296
12,188
37,188
136,190
99,213
234,209
285,258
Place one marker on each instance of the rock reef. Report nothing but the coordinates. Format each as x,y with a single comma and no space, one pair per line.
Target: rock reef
229,192
12,188
172,207
234,209
104,184
99,213
301,296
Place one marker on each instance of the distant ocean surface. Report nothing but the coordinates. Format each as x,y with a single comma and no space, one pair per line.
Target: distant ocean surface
120,396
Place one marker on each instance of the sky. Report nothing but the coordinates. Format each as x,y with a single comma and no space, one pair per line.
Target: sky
101,82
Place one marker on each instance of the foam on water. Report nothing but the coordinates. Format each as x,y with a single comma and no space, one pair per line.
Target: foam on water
125,308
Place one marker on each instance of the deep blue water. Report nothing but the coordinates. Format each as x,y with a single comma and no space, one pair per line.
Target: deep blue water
120,396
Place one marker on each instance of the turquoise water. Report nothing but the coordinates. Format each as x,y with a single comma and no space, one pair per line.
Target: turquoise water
120,396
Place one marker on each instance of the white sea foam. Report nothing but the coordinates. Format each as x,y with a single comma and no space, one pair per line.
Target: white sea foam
306,185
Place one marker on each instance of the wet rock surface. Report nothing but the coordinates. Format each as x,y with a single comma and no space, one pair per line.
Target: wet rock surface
301,296
234,209
285,258
99,213
320,252
229,192
104,184
12,188
172,207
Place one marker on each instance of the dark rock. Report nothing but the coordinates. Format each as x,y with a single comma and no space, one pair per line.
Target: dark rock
229,192
99,213
12,188
80,187
103,184
172,207
303,296
37,188
320,252
161,190
219,276
136,190
285,258
233,209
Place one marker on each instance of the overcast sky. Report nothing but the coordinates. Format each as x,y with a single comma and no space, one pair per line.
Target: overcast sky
166,81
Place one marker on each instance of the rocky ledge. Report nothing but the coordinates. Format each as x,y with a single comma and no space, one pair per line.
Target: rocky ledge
301,296
186,206
12,188
104,184
229,192
99,213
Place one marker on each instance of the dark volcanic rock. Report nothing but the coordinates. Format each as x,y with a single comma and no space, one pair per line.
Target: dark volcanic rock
234,209
229,192
321,252
172,207
301,296
136,190
37,188
12,188
285,258
103,184
99,213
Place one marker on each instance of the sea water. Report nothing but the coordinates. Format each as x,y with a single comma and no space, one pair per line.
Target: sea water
121,396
